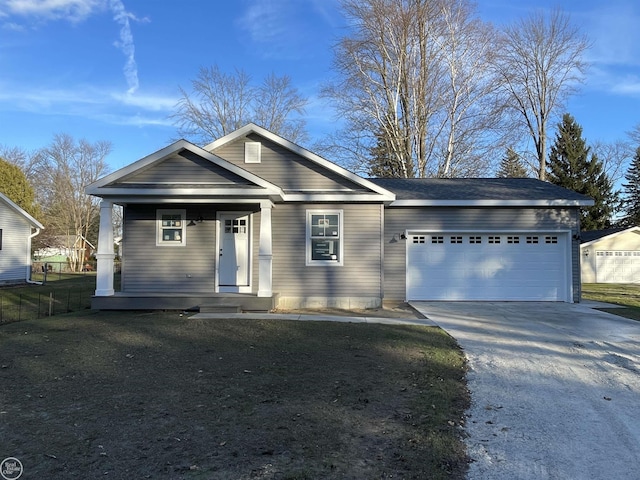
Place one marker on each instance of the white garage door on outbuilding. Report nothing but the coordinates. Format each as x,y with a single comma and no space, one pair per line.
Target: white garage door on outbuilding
488,266
616,266
610,256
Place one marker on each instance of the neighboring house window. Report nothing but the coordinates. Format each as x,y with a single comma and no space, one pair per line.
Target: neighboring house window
171,228
324,237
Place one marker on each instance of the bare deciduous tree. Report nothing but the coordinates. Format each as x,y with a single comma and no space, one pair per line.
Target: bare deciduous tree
614,156
540,63
68,166
413,77
222,102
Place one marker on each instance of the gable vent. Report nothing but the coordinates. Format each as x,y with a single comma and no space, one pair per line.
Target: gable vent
252,152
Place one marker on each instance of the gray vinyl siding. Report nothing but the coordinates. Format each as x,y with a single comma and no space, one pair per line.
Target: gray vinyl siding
184,167
360,276
150,268
284,168
15,240
398,220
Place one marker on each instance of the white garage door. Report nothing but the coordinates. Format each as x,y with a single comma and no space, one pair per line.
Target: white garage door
615,266
529,266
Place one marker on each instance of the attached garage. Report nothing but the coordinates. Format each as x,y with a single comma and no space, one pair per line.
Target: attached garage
481,239
525,266
611,256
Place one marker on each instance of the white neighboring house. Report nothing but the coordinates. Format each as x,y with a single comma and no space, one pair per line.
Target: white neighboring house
66,251
17,228
610,256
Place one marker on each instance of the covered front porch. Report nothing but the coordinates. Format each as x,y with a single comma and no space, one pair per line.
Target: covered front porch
168,287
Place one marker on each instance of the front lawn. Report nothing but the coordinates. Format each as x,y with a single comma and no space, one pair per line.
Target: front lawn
626,295
160,395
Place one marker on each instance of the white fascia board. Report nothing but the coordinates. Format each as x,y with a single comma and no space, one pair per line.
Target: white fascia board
178,192
492,203
303,152
96,187
332,197
612,235
14,206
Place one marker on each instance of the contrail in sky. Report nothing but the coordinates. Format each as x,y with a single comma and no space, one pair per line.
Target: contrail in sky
126,44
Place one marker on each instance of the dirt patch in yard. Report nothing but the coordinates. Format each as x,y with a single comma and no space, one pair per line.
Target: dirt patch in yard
164,396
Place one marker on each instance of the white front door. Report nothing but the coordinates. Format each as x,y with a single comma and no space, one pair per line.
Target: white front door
234,262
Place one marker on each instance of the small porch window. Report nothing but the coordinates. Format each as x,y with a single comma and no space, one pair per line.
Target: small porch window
324,237
171,228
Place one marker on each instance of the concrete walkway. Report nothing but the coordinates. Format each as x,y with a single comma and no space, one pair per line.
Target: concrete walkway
555,389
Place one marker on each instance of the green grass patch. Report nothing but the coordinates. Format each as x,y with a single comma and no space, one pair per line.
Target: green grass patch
625,295
62,293
162,395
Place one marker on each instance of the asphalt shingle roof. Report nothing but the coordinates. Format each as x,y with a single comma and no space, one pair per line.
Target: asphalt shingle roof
476,189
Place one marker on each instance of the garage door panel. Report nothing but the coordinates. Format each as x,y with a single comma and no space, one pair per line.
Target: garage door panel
489,266
617,266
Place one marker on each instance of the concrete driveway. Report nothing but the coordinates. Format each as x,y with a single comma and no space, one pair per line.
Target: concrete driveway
555,389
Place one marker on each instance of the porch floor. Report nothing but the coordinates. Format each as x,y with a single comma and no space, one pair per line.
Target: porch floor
244,302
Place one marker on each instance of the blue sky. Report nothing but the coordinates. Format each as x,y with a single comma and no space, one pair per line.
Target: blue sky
110,69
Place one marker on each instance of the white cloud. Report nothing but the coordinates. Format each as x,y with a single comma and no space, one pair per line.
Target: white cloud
126,44
109,107
77,11
71,10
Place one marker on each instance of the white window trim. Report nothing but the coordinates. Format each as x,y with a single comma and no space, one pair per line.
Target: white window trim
318,263
183,222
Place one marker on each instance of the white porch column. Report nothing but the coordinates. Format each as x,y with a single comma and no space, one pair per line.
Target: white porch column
265,254
105,255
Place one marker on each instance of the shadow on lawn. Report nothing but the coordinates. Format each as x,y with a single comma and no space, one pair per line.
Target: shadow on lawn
163,396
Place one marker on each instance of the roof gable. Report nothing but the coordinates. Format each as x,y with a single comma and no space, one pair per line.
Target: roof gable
19,211
182,168
589,237
299,171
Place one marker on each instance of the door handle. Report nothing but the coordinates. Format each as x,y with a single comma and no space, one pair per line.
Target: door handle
220,252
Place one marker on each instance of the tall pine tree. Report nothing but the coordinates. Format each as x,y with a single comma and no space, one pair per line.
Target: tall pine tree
511,166
631,193
573,166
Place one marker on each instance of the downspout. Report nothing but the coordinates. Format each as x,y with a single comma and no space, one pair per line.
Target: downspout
28,279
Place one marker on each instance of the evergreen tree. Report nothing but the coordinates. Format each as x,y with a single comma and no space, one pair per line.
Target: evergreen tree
511,166
14,184
383,163
631,193
573,166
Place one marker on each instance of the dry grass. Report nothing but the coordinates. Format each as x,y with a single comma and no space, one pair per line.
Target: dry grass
157,395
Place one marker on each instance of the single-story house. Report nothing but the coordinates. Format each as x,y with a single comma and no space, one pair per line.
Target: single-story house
257,220
610,256
17,228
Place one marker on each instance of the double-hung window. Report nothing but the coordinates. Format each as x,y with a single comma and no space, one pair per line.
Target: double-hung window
171,228
324,237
